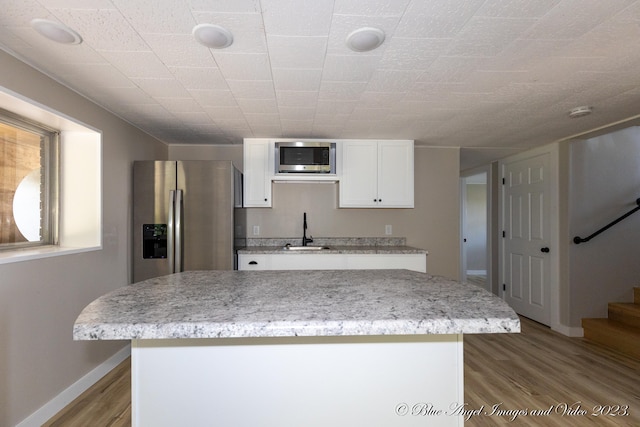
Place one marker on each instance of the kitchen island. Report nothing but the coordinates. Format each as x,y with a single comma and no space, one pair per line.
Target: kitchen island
296,348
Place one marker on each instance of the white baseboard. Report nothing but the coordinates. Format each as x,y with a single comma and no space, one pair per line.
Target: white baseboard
55,405
570,331
476,272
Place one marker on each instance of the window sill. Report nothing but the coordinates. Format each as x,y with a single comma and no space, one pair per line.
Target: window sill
41,252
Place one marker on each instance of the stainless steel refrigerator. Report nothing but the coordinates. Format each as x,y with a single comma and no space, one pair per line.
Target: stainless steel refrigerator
187,215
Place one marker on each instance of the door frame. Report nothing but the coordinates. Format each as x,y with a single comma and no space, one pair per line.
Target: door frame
488,245
554,226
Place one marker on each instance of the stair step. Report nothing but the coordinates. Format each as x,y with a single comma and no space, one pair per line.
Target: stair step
612,334
636,295
627,313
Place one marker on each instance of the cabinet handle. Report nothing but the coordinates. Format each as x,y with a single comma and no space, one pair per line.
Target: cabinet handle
265,200
375,200
253,262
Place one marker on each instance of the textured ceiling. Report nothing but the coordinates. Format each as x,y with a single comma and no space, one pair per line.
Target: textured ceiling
492,76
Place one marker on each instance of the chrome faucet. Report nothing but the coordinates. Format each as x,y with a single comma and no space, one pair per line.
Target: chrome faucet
305,239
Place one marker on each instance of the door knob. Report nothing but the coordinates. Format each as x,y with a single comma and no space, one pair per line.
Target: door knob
545,250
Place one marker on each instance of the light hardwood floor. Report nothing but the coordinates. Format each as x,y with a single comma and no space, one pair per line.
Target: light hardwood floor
536,370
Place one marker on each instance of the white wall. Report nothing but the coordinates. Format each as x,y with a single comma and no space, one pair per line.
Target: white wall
40,299
604,184
434,223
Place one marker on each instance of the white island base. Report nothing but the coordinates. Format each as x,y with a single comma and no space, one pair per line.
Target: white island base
298,381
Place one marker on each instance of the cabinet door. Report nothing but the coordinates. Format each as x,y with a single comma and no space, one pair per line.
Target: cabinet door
254,262
359,183
395,174
258,166
308,262
415,262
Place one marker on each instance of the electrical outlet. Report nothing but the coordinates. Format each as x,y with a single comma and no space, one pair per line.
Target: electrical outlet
388,230
256,230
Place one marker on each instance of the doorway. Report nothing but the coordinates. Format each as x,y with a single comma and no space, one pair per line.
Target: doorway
475,225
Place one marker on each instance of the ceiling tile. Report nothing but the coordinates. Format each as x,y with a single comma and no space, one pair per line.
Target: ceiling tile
292,79
137,64
292,98
571,19
244,66
468,73
179,50
226,6
199,78
349,68
149,16
220,99
297,52
516,8
412,54
488,36
370,7
257,106
436,18
162,87
297,17
259,89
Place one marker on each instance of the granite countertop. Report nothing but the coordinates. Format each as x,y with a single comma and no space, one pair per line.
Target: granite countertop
337,245
228,304
350,249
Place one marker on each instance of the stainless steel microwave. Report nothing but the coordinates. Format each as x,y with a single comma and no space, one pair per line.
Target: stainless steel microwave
305,157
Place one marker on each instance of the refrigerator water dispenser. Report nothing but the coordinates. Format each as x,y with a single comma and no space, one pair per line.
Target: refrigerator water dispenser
154,241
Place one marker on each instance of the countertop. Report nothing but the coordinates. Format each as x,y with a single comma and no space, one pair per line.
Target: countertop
235,304
337,245
350,249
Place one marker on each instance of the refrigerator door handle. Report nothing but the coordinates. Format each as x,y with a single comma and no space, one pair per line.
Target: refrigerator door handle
178,238
171,231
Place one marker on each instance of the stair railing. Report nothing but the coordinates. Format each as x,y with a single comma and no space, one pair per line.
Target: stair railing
577,240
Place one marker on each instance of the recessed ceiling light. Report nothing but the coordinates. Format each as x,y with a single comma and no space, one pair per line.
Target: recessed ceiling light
365,39
55,31
585,110
212,36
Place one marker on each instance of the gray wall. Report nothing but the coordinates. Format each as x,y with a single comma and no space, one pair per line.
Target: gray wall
40,299
604,182
434,223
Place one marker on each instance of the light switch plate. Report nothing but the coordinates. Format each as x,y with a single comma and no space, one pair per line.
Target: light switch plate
388,230
256,230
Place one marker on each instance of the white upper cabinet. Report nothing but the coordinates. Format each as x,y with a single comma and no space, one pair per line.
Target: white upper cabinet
359,180
371,174
258,170
377,174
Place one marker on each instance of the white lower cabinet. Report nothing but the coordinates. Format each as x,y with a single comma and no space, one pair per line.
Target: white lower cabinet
254,262
415,262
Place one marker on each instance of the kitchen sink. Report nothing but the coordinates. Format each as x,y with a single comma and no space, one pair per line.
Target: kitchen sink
304,248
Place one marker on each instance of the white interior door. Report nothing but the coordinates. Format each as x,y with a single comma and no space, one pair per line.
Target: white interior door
526,225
